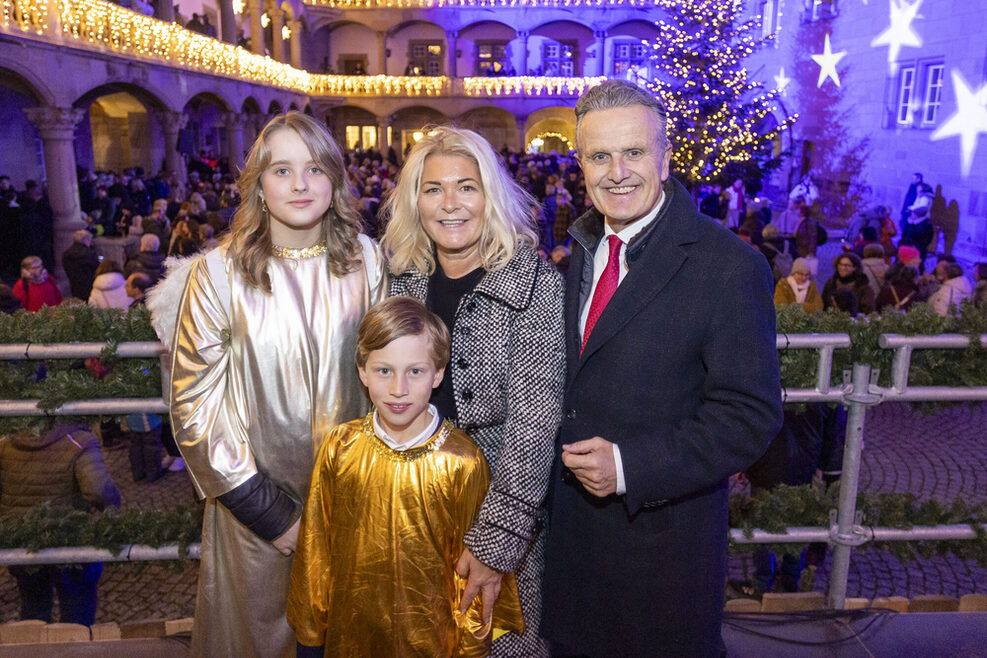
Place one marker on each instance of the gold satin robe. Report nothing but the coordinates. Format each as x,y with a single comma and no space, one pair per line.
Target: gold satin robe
257,389
375,570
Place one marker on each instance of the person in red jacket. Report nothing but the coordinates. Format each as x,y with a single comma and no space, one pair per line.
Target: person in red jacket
36,288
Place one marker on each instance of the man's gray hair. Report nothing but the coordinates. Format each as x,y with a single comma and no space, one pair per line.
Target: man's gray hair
620,93
150,242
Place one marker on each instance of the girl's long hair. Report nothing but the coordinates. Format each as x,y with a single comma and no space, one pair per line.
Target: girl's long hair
249,241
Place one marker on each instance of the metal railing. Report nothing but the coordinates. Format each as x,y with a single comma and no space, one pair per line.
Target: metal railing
846,531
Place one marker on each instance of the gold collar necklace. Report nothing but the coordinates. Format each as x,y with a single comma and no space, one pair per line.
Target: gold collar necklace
304,252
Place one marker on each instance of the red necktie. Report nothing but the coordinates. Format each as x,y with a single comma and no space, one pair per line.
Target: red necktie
605,288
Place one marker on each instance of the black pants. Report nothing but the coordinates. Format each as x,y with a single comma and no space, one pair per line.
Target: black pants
76,587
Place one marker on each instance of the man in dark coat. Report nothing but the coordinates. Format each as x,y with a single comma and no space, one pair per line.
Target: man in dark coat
80,262
149,260
672,387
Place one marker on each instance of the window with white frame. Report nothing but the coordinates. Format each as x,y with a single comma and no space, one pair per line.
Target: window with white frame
488,53
767,18
906,94
424,58
627,54
820,9
559,58
933,94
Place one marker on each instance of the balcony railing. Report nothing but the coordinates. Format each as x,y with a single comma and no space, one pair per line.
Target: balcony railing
102,26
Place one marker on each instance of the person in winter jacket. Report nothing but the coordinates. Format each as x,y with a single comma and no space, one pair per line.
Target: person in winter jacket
149,260
900,289
80,262
979,296
36,288
955,289
109,287
64,468
874,267
799,288
848,274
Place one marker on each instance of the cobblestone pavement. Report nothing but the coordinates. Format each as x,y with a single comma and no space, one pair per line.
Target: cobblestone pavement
942,455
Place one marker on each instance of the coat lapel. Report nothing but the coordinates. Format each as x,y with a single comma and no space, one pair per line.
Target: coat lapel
651,270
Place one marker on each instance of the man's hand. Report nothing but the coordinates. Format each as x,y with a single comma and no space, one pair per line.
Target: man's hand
480,579
286,543
591,461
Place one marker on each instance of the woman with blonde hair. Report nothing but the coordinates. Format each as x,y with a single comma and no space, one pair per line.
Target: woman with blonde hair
459,238
262,368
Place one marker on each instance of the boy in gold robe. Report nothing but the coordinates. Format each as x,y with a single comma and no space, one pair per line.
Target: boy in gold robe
392,496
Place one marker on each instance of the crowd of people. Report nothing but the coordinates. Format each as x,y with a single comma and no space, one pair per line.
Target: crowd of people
484,461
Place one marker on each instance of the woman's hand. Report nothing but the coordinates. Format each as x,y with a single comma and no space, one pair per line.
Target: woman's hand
480,579
286,543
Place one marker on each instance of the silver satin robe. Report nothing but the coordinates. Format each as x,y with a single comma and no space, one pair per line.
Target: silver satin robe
255,389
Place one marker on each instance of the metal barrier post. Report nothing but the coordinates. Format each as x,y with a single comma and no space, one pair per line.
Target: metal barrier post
847,532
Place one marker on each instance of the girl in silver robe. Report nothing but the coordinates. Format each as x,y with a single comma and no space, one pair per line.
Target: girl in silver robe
262,368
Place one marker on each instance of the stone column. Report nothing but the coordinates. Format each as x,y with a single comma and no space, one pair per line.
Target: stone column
600,37
252,7
57,128
296,43
164,11
234,139
382,51
171,123
227,21
451,37
522,66
522,123
382,143
277,21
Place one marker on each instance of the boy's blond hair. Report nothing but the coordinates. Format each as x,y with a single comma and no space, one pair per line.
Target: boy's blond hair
397,317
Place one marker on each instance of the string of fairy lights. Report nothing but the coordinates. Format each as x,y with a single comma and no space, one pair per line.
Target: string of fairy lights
100,24
715,110
433,4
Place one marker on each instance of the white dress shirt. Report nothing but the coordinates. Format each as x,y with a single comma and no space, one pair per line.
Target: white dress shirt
413,442
599,264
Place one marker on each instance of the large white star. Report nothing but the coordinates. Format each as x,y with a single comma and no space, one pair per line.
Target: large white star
781,81
827,62
900,32
969,121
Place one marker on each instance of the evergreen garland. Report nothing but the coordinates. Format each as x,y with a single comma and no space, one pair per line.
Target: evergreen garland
771,511
50,527
56,381
809,506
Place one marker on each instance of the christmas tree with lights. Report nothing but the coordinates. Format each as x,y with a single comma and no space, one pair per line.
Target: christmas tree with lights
718,117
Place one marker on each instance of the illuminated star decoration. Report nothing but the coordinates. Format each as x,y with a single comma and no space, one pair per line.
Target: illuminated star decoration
969,121
900,32
827,62
781,80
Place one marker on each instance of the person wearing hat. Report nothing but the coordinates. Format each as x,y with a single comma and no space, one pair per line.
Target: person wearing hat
917,230
799,288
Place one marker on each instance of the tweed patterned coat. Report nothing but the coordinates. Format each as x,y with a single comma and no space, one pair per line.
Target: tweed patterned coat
508,369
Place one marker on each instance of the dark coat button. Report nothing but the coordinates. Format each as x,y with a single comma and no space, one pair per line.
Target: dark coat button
570,414
467,395
463,364
466,331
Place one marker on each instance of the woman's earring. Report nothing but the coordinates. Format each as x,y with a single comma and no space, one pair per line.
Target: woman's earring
263,206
